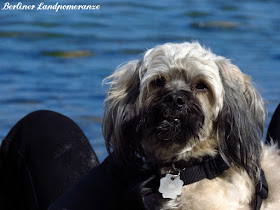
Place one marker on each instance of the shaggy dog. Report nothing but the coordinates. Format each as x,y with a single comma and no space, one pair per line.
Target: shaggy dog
181,105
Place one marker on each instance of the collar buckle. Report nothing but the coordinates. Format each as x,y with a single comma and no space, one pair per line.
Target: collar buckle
262,187
261,191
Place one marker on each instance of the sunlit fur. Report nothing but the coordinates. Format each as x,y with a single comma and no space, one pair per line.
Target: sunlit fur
222,113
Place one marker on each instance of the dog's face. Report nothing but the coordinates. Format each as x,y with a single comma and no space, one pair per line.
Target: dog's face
182,101
179,100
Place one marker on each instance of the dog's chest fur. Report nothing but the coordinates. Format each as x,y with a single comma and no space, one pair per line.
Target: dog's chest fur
232,190
225,192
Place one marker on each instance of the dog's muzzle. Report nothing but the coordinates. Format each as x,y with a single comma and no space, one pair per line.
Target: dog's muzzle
175,116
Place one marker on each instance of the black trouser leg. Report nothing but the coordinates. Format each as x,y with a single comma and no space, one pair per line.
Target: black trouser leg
43,155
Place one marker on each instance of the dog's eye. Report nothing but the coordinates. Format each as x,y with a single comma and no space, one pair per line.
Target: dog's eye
159,82
201,86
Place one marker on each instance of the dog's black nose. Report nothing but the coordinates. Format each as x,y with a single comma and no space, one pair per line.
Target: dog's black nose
177,99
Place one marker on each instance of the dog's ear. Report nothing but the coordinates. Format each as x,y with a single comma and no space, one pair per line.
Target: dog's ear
240,124
120,115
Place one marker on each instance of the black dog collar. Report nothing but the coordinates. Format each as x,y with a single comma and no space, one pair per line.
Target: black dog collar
211,168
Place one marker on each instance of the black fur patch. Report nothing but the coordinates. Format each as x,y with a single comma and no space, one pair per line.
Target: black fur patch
165,122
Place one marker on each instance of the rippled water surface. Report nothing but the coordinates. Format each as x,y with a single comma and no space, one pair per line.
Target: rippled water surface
57,60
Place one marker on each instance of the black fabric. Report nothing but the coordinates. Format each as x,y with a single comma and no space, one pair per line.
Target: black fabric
107,186
273,131
99,189
43,155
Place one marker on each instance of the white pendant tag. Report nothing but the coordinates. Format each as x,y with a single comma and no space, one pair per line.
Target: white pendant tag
171,186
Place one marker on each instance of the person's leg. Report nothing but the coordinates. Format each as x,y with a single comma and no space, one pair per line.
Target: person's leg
43,155
273,132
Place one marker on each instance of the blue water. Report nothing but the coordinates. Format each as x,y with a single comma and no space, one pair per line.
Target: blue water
37,71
